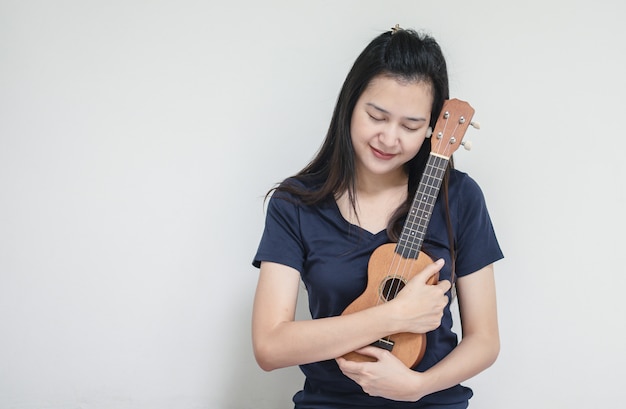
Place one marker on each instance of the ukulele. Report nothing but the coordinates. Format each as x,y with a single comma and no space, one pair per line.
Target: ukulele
392,265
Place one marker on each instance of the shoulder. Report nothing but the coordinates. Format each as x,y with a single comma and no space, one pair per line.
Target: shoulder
294,187
476,242
299,191
464,189
291,196
461,181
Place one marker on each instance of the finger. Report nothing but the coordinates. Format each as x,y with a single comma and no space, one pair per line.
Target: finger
341,362
374,352
349,368
430,270
445,285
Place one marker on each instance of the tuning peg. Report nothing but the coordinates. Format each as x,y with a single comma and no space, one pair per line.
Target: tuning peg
467,145
476,125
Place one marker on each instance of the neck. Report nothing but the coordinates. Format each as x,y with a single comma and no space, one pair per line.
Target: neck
372,184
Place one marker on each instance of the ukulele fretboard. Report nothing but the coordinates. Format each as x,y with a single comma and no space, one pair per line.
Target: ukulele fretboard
416,223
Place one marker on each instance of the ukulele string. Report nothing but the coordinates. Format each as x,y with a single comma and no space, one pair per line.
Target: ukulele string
403,263
395,274
399,267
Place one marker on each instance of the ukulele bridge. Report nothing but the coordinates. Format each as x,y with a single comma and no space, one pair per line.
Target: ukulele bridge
383,344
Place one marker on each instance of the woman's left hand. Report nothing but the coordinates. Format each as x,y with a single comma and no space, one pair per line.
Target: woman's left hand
387,377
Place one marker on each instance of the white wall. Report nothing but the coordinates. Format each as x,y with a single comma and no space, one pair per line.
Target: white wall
137,139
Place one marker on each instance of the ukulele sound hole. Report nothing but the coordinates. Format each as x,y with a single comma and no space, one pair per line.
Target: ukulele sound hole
390,288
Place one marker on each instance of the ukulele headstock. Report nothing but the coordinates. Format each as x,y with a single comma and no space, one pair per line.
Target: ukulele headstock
454,119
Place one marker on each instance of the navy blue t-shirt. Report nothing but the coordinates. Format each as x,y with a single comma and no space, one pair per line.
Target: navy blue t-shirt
332,254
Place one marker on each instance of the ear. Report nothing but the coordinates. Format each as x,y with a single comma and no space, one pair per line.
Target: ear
429,132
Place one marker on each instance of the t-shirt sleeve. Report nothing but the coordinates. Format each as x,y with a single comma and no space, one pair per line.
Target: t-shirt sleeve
281,241
477,245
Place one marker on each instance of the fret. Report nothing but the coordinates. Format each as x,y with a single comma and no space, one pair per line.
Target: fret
416,224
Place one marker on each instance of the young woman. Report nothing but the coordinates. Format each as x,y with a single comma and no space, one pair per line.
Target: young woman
323,224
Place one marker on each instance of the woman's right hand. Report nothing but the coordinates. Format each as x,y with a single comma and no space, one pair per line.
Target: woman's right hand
418,308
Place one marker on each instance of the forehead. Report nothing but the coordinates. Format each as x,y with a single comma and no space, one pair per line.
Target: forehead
399,94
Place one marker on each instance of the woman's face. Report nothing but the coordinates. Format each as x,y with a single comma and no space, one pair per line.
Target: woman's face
389,125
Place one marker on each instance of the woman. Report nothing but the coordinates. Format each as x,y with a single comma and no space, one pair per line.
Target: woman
323,224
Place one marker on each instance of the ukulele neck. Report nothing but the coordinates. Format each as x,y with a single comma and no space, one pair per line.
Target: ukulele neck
416,223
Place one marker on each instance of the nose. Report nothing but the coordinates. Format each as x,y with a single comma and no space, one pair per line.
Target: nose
388,135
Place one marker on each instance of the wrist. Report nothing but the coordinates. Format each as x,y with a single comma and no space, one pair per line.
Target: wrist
424,383
387,316
416,390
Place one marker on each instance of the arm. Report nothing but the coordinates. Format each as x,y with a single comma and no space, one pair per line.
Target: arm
477,350
280,341
480,344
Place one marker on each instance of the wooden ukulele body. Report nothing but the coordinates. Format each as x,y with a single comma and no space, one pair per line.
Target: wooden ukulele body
388,272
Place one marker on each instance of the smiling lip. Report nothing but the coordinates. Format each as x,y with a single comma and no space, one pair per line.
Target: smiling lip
382,155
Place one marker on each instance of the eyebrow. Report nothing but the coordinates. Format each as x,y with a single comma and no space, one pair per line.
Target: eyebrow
410,118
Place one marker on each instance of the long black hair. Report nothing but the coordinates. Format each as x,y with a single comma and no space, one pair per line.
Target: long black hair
402,54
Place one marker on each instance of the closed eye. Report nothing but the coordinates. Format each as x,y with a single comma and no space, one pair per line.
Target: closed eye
377,119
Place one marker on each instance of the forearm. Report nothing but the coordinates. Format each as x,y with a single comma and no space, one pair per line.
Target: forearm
480,344
299,342
473,355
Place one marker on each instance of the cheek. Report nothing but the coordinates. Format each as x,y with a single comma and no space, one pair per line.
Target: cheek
358,131
414,145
